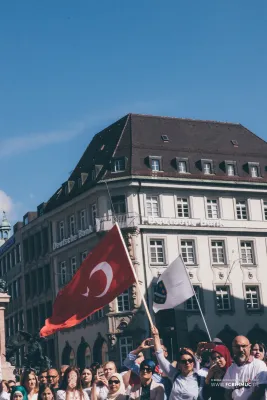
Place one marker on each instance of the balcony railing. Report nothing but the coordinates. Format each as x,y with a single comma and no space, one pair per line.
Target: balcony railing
128,220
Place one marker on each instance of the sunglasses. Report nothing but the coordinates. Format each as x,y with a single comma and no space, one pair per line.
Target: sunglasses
189,361
146,369
111,381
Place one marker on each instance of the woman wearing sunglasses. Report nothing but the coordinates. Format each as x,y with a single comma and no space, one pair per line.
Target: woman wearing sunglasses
186,382
221,361
147,389
116,388
258,350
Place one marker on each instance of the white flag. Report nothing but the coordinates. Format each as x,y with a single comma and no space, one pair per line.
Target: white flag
173,287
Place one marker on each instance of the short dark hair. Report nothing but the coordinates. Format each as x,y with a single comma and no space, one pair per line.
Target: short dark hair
42,389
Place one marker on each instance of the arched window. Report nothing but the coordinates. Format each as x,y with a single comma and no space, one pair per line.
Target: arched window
83,352
68,355
227,335
257,334
104,352
88,357
196,336
97,349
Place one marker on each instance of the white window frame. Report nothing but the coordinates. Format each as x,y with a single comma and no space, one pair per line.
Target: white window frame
222,291
125,343
207,171
183,202
61,230
248,291
192,300
83,219
123,299
149,200
157,239
94,213
253,253
254,171
72,225
186,247
63,275
119,165
182,167
231,169
157,161
246,207
73,265
217,248
210,208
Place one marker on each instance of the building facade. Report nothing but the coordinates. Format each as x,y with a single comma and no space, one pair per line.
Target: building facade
195,188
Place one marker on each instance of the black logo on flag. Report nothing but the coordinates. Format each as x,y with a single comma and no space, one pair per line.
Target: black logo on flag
160,294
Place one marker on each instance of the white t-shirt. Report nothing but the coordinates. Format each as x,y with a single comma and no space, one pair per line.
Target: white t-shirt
244,378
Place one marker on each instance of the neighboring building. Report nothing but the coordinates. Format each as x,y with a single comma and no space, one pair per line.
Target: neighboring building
175,186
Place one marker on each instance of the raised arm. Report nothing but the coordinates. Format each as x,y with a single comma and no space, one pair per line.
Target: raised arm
164,364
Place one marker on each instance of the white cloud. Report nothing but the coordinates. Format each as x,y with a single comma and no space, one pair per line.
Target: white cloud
7,205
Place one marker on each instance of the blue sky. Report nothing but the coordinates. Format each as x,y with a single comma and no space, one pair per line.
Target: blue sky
68,68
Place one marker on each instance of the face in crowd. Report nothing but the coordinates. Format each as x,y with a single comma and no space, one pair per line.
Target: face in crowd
258,351
86,377
241,349
29,381
109,369
218,359
114,384
53,378
186,362
147,368
43,378
47,393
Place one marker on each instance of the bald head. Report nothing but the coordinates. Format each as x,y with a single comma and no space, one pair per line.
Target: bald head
241,349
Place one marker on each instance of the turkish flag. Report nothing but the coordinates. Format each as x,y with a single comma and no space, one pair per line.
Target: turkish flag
105,274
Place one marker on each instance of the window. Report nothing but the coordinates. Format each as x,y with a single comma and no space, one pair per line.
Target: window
241,210
152,206
100,313
212,208
84,255
83,220
61,231
94,213
47,277
126,346
182,208
254,171
63,273
123,301
119,205
182,165
165,138
223,300
207,168
119,165
72,225
247,253
231,169
155,164
157,254
191,304
218,253
73,265
188,252
265,209
252,298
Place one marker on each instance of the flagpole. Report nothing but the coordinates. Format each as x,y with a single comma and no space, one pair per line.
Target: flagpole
201,313
136,278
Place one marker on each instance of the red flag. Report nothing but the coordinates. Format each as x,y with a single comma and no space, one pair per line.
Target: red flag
104,275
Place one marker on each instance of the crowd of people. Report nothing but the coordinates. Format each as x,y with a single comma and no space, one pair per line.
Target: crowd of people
212,372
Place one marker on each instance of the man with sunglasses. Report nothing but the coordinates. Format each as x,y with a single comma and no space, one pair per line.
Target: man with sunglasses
245,378
53,378
148,389
131,363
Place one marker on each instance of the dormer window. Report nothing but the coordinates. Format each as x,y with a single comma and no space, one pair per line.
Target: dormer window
182,165
118,165
207,167
254,169
155,165
230,168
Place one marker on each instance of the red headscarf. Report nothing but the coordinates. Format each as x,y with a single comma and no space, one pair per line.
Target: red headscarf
223,351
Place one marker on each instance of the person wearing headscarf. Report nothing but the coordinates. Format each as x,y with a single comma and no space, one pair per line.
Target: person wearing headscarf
116,388
19,393
221,359
147,389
